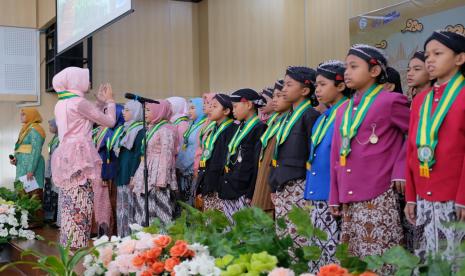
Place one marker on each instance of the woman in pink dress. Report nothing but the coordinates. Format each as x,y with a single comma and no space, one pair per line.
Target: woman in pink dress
76,165
161,160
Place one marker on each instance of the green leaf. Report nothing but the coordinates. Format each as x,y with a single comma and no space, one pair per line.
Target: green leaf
400,257
54,264
404,271
342,251
438,266
281,223
320,234
374,262
301,219
311,253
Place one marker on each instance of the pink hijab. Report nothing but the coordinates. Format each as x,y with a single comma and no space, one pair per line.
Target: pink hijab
72,79
161,111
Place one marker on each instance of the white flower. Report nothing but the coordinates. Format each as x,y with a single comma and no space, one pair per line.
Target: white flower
145,241
3,232
28,234
12,211
24,221
13,232
199,265
88,259
199,249
182,269
12,221
102,240
96,269
3,218
115,239
135,227
24,213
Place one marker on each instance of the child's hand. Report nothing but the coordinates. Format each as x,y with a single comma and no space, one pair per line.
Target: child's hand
410,212
460,212
335,210
399,186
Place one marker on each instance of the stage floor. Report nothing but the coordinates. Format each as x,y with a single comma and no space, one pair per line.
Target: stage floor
49,234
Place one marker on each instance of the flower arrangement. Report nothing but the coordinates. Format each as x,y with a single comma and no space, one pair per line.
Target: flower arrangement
13,222
147,254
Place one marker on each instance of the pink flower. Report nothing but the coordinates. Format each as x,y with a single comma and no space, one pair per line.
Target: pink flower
3,209
123,264
279,271
126,247
106,255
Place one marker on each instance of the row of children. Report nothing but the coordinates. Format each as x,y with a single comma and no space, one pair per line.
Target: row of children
356,159
369,157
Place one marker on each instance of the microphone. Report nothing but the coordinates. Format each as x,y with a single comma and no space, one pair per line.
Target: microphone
140,99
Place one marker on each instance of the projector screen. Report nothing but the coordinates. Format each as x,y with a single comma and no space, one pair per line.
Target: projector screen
77,19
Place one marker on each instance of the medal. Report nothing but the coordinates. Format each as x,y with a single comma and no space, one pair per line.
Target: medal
373,139
425,153
345,142
206,153
239,157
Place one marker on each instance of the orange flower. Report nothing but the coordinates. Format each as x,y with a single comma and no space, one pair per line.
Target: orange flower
190,254
158,267
163,241
333,270
148,272
171,263
179,249
138,260
153,253
368,273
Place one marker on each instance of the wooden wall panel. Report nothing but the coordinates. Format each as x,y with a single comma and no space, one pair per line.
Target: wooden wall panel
328,26
152,51
46,11
18,13
252,42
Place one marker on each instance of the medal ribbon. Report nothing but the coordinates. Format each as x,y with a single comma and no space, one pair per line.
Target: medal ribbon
180,119
53,143
286,124
322,129
429,124
111,141
63,95
211,140
241,132
350,125
192,127
273,125
151,133
98,137
270,131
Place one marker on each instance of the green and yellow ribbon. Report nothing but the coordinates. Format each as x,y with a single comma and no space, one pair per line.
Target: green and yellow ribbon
63,95
192,127
322,129
150,135
180,119
350,124
286,124
430,123
240,134
209,143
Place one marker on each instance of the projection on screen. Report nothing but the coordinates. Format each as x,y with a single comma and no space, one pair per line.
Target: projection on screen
76,19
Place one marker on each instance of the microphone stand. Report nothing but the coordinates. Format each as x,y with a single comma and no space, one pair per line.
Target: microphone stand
146,171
